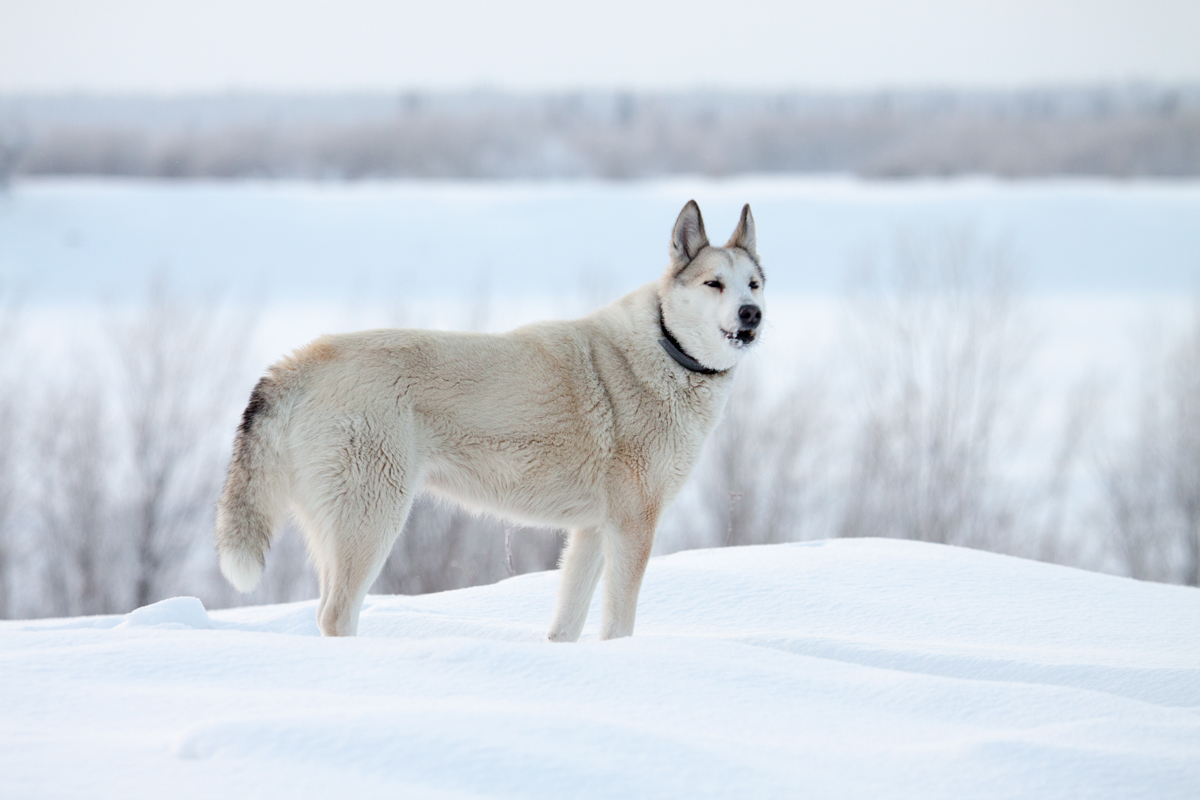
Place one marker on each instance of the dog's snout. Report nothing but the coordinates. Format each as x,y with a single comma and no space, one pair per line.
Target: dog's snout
750,315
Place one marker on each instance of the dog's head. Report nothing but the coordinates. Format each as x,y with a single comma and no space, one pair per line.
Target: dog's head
712,297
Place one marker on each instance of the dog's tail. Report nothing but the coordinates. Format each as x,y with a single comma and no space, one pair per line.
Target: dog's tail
255,493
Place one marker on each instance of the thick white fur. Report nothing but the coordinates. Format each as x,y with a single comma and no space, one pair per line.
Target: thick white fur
241,569
585,424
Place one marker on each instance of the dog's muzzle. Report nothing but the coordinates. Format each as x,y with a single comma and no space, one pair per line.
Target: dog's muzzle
749,316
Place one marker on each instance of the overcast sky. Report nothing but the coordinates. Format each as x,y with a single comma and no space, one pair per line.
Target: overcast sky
292,45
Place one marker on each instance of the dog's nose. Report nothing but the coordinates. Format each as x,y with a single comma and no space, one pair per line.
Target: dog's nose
750,315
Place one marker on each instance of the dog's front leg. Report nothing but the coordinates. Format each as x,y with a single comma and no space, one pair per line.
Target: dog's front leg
580,567
626,552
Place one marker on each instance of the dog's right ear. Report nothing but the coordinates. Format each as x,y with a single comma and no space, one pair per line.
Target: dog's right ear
743,236
688,238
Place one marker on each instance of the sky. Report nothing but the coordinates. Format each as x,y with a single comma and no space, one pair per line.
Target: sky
169,47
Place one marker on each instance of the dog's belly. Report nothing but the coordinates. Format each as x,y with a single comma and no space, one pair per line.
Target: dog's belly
528,483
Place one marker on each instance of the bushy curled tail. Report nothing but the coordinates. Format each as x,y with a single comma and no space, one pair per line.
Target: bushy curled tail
254,497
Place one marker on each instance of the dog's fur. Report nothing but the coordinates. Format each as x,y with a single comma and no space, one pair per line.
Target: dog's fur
589,424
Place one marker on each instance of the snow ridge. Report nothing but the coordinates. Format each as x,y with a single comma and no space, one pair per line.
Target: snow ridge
845,668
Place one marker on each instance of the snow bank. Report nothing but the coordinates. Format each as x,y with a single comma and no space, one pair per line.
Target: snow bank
177,612
847,668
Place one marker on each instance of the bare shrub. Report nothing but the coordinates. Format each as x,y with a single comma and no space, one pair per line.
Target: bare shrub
1056,518
941,353
8,446
126,454
77,514
8,443
1183,391
1151,481
178,369
763,475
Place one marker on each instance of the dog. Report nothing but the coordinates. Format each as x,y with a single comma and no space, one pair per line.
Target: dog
590,424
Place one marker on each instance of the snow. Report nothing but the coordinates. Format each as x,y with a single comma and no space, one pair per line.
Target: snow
840,669
71,239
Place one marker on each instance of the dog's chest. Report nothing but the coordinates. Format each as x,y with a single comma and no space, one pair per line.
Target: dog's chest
664,437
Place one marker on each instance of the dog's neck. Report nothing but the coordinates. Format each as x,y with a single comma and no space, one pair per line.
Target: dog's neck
676,351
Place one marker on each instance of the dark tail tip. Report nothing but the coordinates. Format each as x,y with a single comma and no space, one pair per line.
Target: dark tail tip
257,404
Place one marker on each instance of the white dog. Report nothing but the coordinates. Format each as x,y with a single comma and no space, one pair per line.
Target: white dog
590,424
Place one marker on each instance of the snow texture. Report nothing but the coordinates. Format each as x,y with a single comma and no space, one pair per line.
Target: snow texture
839,669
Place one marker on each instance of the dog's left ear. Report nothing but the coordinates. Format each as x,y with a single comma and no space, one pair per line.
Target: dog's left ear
688,238
744,237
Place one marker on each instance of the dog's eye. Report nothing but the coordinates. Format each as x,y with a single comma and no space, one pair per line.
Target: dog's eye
720,287
753,285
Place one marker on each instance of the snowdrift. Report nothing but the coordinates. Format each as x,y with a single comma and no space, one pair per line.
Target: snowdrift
844,668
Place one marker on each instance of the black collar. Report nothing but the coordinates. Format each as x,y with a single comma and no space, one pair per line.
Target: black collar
675,351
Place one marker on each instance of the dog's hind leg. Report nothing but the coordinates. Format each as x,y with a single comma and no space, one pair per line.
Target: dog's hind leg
351,564
581,565
362,491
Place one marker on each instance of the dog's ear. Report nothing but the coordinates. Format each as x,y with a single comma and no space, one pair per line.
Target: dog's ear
744,237
688,238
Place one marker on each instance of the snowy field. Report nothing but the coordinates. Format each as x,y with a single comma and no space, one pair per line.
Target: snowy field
76,239
834,669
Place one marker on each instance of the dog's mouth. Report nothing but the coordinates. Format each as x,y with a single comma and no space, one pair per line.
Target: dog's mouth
742,338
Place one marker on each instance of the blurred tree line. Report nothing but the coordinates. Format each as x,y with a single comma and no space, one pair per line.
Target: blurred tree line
1135,130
